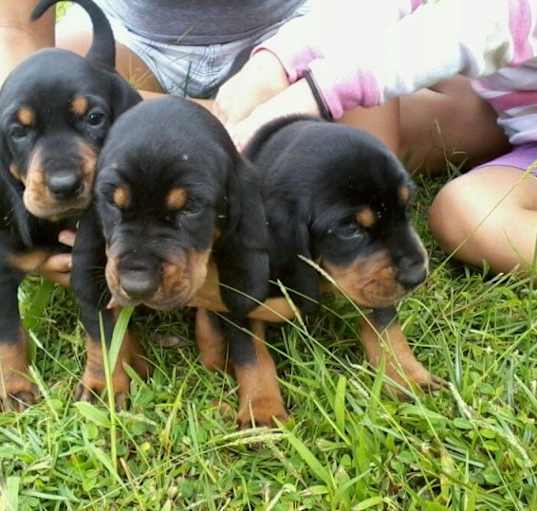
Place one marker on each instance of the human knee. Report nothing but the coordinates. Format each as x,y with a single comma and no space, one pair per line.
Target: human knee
449,212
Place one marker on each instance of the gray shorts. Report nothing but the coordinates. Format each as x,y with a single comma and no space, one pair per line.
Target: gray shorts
194,71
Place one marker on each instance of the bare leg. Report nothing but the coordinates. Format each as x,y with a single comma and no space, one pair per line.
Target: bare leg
448,121
488,215
382,121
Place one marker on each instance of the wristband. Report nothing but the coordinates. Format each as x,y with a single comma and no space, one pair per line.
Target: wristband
319,99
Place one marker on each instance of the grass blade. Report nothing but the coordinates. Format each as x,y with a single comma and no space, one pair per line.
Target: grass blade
309,458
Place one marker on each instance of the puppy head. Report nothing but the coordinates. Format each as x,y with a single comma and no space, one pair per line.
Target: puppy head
360,228
55,111
162,198
339,197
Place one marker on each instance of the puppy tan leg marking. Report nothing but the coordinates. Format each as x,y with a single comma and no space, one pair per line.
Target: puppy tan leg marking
94,380
274,310
211,342
16,389
260,398
402,366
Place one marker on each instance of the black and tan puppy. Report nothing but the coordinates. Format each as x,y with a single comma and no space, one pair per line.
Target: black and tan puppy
336,196
55,111
172,194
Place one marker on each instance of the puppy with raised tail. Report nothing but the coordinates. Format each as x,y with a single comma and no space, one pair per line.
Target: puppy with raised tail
56,109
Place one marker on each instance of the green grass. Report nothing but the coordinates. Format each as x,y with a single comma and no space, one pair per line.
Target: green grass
347,447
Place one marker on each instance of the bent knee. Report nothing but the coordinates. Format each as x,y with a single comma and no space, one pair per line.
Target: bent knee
450,218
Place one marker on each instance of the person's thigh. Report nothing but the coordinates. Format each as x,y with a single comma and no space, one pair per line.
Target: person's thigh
489,214
449,122
75,33
381,121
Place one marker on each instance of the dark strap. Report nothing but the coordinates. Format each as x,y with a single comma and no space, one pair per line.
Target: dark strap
321,103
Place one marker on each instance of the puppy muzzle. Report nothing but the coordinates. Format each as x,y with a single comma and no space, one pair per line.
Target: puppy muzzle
158,284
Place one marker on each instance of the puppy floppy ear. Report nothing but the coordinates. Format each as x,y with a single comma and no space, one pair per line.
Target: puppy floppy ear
124,96
241,253
88,279
11,190
301,276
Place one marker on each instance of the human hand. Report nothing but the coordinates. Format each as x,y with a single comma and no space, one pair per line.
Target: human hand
260,79
57,267
296,99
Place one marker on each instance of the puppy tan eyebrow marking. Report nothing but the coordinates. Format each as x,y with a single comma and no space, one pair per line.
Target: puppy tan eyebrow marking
176,198
25,115
366,217
121,197
79,105
404,193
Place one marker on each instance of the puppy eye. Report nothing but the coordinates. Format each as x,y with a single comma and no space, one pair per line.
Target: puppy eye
18,132
96,118
350,230
191,209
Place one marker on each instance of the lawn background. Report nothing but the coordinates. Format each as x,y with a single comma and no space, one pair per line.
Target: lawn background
347,446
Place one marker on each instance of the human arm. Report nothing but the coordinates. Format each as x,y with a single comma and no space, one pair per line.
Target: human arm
284,57
437,41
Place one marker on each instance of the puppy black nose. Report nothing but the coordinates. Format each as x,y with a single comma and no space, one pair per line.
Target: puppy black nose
64,185
411,273
139,284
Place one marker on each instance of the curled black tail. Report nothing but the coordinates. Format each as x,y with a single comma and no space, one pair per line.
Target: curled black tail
103,47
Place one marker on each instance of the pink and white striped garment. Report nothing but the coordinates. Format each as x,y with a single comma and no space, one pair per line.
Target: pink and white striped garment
512,92
364,56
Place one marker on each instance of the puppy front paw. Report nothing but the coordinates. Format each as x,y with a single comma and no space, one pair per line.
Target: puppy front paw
411,375
390,345
261,412
17,392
